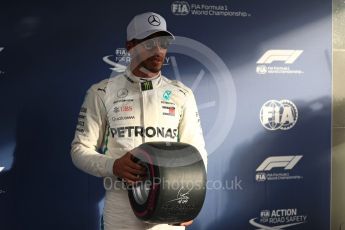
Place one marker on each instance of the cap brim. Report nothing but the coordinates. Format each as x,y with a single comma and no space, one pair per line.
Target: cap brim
150,32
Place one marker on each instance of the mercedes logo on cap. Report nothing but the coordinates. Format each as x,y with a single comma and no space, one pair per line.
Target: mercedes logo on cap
154,20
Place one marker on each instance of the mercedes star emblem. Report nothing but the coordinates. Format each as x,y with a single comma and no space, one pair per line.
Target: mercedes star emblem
154,20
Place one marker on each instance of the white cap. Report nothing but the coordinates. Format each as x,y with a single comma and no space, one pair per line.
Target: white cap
145,24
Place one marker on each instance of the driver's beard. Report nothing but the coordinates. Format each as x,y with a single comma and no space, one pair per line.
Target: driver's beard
146,67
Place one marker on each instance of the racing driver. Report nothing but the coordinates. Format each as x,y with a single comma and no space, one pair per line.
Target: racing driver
137,106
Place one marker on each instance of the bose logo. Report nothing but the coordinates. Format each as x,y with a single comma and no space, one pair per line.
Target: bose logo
289,56
286,162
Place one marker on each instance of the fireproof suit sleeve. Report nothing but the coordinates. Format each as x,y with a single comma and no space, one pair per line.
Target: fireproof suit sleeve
92,124
190,130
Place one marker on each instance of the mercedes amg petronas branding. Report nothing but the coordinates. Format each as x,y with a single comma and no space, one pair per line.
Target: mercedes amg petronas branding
154,20
167,95
130,131
121,93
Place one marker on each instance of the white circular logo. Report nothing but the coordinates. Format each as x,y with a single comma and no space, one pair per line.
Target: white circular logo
276,115
122,93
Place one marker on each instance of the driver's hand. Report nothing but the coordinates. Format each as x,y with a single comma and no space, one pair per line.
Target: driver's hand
128,170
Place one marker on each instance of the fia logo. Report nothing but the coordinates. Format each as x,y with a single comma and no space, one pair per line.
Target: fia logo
260,177
265,213
261,69
180,8
276,115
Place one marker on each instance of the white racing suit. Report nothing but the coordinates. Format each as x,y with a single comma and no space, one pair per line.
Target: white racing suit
119,114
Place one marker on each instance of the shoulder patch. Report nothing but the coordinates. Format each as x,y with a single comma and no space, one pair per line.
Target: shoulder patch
101,87
180,87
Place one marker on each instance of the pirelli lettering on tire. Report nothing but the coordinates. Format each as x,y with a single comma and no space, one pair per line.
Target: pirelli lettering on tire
129,131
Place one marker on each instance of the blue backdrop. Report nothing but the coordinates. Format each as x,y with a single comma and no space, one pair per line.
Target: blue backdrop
261,73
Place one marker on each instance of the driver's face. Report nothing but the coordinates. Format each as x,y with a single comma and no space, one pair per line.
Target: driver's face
150,53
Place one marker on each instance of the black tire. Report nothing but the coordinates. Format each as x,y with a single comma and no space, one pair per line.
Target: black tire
175,188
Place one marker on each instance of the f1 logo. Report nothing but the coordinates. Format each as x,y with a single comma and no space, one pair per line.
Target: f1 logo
288,56
286,162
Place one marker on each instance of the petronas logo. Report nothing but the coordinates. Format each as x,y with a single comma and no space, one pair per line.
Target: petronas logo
146,85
